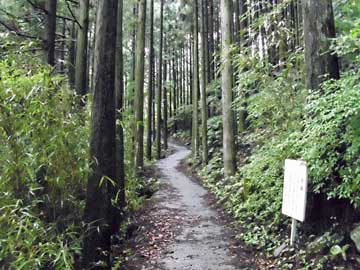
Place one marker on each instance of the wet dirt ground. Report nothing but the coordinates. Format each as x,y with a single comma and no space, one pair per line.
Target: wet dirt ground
180,229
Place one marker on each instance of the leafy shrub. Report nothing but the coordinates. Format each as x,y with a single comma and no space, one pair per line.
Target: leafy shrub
44,166
321,127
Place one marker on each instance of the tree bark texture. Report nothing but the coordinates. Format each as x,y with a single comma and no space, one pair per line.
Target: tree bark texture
98,210
319,27
159,90
150,85
139,86
226,85
50,31
81,68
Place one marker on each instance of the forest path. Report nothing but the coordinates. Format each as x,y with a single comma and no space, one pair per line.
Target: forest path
182,228
202,242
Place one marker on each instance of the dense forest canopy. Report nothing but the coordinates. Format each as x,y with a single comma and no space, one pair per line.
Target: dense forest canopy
92,92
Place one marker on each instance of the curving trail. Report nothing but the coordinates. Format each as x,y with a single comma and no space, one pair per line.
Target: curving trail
202,243
179,229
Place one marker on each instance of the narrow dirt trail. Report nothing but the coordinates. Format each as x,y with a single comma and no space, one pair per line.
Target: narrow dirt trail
181,230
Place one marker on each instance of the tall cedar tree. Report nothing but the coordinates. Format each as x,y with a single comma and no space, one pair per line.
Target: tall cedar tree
195,120
226,85
204,82
242,42
119,106
81,74
165,105
150,85
319,28
98,209
321,64
159,90
50,31
71,55
139,86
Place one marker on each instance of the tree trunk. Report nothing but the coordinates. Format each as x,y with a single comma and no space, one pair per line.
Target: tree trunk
211,41
119,106
98,210
158,93
226,85
319,27
93,57
63,47
139,86
195,120
174,90
81,69
50,31
204,82
190,44
165,107
243,25
71,59
151,85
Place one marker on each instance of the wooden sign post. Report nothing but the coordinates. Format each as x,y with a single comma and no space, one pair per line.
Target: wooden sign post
295,193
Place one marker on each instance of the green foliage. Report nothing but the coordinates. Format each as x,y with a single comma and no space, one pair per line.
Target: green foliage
337,250
43,164
330,139
214,134
287,121
347,43
28,242
182,118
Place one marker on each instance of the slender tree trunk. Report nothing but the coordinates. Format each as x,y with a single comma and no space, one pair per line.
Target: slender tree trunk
63,48
151,84
158,93
319,27
71,59
165,107
180,72
139,86
183,63
211,40
93,57
191,75
171,89
153,102
243,28
226,85
204,82
50,31
98,210
174,91
183,72
119,106
195,120
186,64
81,69
131,91
190,70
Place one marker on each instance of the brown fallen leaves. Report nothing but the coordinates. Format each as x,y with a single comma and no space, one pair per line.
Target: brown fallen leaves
157,231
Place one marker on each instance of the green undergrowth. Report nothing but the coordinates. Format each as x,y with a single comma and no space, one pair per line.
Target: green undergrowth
287,121
44,165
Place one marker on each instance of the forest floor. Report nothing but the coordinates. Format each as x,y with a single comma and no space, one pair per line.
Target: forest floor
182,227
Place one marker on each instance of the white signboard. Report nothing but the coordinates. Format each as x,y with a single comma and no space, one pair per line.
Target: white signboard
295,189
